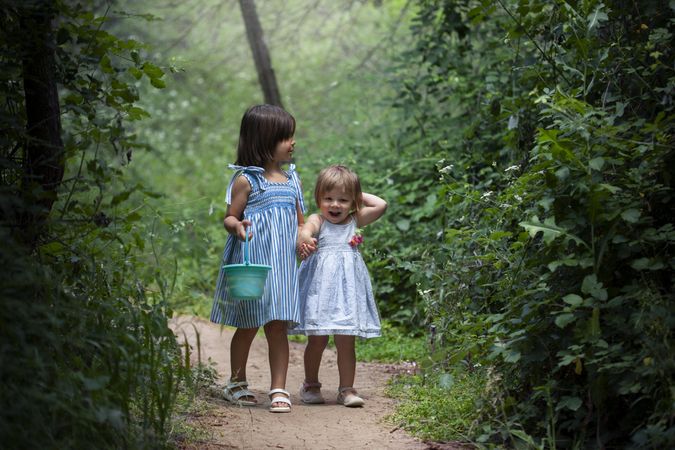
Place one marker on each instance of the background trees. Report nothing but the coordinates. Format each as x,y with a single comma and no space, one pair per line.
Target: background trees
524,148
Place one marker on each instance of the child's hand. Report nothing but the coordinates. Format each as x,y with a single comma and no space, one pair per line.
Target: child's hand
306,244
306,248
241,230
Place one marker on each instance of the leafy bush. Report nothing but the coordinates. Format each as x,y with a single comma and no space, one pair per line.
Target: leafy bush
552,127
86,356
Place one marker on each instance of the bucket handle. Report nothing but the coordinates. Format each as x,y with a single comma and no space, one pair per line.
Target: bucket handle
246,261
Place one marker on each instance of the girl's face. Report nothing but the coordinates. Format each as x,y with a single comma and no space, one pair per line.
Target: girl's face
284,151
335,205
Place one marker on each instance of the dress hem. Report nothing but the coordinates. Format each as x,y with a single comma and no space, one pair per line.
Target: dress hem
325,332
289,323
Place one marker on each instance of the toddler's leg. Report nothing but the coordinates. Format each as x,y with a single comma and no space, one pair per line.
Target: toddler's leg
346,356
310,391
346,353
313,353
277,343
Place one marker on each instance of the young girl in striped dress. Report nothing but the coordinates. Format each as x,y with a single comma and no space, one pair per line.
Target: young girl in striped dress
265,201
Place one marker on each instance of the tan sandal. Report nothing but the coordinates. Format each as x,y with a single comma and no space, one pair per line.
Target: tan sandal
347,396
309,397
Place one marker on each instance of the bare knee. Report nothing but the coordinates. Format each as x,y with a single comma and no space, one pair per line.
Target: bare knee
275,328
317,342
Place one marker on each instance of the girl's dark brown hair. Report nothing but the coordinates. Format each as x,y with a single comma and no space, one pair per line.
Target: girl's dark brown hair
339,176
262,128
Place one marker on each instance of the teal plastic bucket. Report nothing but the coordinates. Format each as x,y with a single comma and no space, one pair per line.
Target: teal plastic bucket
246,281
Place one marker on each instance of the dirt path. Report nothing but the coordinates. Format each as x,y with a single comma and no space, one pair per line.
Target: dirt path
329,426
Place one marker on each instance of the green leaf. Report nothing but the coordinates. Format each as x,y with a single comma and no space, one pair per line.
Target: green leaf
570,262
106,66
119,198
567,402
596,163
610,188
549,229
512,356
573,299
546,202
562,173
135,72
592,286
647,264
156,82
152,71
446,380
562,320
595,18
631,215
136,113
403,224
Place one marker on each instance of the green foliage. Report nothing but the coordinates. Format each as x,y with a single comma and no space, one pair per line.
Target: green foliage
438,406
555,258
88,359
393,346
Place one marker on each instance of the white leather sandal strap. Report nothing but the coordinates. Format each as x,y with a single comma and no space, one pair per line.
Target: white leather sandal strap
278,391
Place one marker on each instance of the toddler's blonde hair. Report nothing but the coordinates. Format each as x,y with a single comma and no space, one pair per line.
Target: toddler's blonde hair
339,176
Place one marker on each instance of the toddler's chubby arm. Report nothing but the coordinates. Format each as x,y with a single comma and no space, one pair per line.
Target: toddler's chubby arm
233,216
373,208
306,244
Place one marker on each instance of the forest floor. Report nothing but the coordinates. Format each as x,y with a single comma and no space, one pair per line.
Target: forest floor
328,426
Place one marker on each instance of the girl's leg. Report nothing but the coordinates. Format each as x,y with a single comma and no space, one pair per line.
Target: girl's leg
239,348
277,343
346,356
313,353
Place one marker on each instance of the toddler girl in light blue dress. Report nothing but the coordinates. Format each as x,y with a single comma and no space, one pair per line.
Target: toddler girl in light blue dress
336,296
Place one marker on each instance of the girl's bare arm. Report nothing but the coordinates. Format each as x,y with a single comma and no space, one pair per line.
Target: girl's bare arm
310,229
233,216
372,209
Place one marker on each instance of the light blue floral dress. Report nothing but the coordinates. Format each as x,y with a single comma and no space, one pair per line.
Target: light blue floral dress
336,296
271,208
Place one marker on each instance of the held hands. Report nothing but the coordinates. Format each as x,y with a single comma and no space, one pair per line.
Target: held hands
306,244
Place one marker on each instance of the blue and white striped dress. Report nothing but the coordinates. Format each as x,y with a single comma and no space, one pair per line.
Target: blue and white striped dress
271,208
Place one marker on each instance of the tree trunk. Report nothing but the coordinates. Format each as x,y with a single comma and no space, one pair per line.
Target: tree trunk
43,163
261,56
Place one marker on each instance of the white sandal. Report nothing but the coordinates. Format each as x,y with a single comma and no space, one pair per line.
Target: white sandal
235,390
350,398
309,397
279,399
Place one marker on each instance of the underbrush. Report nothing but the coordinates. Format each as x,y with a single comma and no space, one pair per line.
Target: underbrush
192,403
437,405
